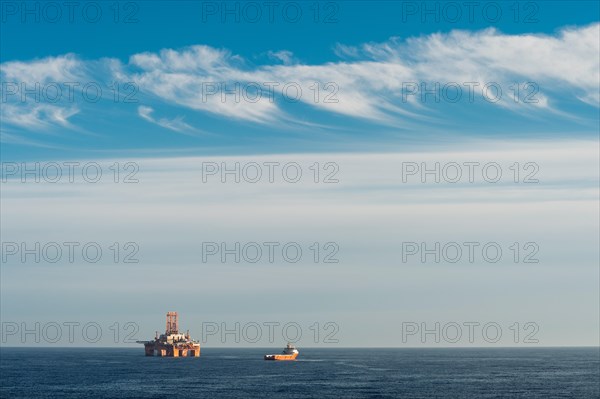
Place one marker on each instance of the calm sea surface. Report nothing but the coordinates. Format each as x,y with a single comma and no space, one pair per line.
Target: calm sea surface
319,373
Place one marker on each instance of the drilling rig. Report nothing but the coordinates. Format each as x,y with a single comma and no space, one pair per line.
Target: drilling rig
172,343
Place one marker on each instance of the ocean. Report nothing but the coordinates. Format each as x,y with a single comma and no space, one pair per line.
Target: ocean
318,373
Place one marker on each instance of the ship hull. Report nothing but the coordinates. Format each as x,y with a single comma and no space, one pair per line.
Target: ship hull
162,350
292,356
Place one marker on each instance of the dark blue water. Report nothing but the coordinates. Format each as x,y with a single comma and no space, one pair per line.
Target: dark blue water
319,373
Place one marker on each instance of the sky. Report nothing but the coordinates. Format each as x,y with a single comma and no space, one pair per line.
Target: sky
363,133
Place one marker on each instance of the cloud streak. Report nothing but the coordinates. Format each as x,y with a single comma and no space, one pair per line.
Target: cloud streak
371,82
29,90
374,84
176,124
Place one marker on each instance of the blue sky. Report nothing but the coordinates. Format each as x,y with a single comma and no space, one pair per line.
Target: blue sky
367,64
369,61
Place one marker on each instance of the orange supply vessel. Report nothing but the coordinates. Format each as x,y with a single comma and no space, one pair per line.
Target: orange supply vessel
172,343
289,353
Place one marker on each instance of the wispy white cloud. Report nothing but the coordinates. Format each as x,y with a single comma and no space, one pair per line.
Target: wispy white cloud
187,78
64,68
285,56
176,124
568,59
38,116
24,84
369,83
373,84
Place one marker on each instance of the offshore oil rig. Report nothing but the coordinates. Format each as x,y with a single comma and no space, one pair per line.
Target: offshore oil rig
172,343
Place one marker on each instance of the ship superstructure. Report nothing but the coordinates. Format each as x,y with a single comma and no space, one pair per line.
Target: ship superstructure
289,353
172,343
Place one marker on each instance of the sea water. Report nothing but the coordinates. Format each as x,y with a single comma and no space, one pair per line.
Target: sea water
318,373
